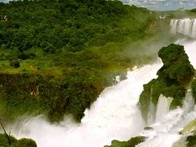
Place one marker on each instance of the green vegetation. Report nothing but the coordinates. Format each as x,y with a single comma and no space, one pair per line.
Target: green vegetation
173,78
56,26
13,142
193,88
130,143
41,94
191,140
189,127
57,56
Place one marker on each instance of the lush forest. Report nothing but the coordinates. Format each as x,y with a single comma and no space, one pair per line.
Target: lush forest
57,56
68,25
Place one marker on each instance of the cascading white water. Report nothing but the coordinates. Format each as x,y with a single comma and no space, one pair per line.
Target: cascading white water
184,26
166,129
163,106
156,113
114,115
190,49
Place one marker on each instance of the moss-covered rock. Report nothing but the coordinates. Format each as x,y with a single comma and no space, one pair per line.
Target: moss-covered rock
186,141
177,68
173,78
130,143
191,141
4,142
24,142
191,126
10,141
193,87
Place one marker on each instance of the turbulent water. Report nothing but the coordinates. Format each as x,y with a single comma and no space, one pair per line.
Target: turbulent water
184,26
166,128
115,115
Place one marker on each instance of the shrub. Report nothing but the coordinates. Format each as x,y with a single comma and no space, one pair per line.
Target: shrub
15,63
24,142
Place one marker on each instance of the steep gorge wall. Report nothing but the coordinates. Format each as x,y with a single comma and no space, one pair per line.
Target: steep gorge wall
173,78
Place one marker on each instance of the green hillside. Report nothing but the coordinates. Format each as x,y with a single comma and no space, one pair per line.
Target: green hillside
57,56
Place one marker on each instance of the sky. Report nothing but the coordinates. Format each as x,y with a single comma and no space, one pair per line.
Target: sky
163,4
158,4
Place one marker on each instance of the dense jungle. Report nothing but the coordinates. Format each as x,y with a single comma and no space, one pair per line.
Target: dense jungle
57,56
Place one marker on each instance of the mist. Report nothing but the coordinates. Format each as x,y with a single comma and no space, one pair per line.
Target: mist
115,115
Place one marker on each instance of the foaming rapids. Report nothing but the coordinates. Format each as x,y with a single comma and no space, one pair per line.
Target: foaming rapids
114,115
165,131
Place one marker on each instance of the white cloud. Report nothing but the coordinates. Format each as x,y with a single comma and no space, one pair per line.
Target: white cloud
167,4
164,4
158,4
5,1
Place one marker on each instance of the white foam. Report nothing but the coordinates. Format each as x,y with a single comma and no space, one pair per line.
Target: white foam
114,115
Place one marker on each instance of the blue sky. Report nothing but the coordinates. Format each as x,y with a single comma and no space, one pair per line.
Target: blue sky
159,4
163,4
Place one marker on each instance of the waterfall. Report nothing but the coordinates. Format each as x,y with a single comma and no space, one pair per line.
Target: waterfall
115,115
184,26
166,131
163,106
151,113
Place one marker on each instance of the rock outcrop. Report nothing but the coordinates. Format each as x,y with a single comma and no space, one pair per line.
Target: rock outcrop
173,78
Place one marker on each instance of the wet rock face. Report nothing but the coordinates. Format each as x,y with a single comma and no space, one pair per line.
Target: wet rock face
130,143
173,78
172,53
191,141
176,68
9,140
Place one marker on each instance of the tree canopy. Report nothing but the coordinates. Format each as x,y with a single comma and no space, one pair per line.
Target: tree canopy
69,25
62,54
24,142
